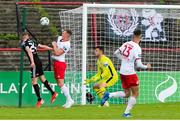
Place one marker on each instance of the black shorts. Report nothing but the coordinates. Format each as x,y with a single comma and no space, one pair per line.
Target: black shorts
38,70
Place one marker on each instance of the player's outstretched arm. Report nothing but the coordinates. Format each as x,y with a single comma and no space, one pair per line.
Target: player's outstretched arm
87,81
149,66
142,66
56,50
117,53
94,78
138,61
45,47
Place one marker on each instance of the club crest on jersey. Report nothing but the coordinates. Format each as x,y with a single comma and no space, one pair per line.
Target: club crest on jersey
123,21
105,64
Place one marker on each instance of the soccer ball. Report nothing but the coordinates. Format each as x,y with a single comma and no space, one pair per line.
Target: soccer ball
44,21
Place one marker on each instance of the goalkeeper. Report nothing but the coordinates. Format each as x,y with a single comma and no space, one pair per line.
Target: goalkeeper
106,75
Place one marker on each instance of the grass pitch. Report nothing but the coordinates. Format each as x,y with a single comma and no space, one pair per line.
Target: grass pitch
143,111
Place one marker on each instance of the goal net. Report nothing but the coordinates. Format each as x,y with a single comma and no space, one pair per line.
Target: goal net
110,26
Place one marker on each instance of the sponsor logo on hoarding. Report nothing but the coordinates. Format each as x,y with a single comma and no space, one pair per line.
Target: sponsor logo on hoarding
14,88
167,92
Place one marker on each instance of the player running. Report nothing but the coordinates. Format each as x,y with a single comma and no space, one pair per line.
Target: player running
60,49
30,47
106,75
130,55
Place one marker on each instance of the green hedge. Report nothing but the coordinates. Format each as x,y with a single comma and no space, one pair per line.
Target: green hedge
9,36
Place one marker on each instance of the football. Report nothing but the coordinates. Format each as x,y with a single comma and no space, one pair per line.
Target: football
44,21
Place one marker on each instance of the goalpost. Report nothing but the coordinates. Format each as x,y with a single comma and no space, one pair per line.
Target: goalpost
110,25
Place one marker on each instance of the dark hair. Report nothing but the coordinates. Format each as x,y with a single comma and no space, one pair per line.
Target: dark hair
25,33
100,48
137,32
68,31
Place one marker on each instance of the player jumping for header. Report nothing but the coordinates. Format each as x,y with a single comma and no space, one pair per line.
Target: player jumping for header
130,55
60,48
30,47
106,75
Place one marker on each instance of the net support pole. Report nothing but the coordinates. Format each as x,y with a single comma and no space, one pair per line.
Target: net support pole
18,21
94,28
84,52
22,59
49,60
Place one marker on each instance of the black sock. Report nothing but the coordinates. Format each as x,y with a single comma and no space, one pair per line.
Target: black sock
47,85
36,89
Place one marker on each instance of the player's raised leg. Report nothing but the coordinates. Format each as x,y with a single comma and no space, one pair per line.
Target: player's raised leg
65,90
107,95
47,85
59,73
100,89
40,101
119,94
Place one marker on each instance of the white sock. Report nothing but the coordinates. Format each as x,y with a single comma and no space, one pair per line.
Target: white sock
131,103
65,91
119,94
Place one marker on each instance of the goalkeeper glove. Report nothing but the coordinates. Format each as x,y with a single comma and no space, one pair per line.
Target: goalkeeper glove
87,81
